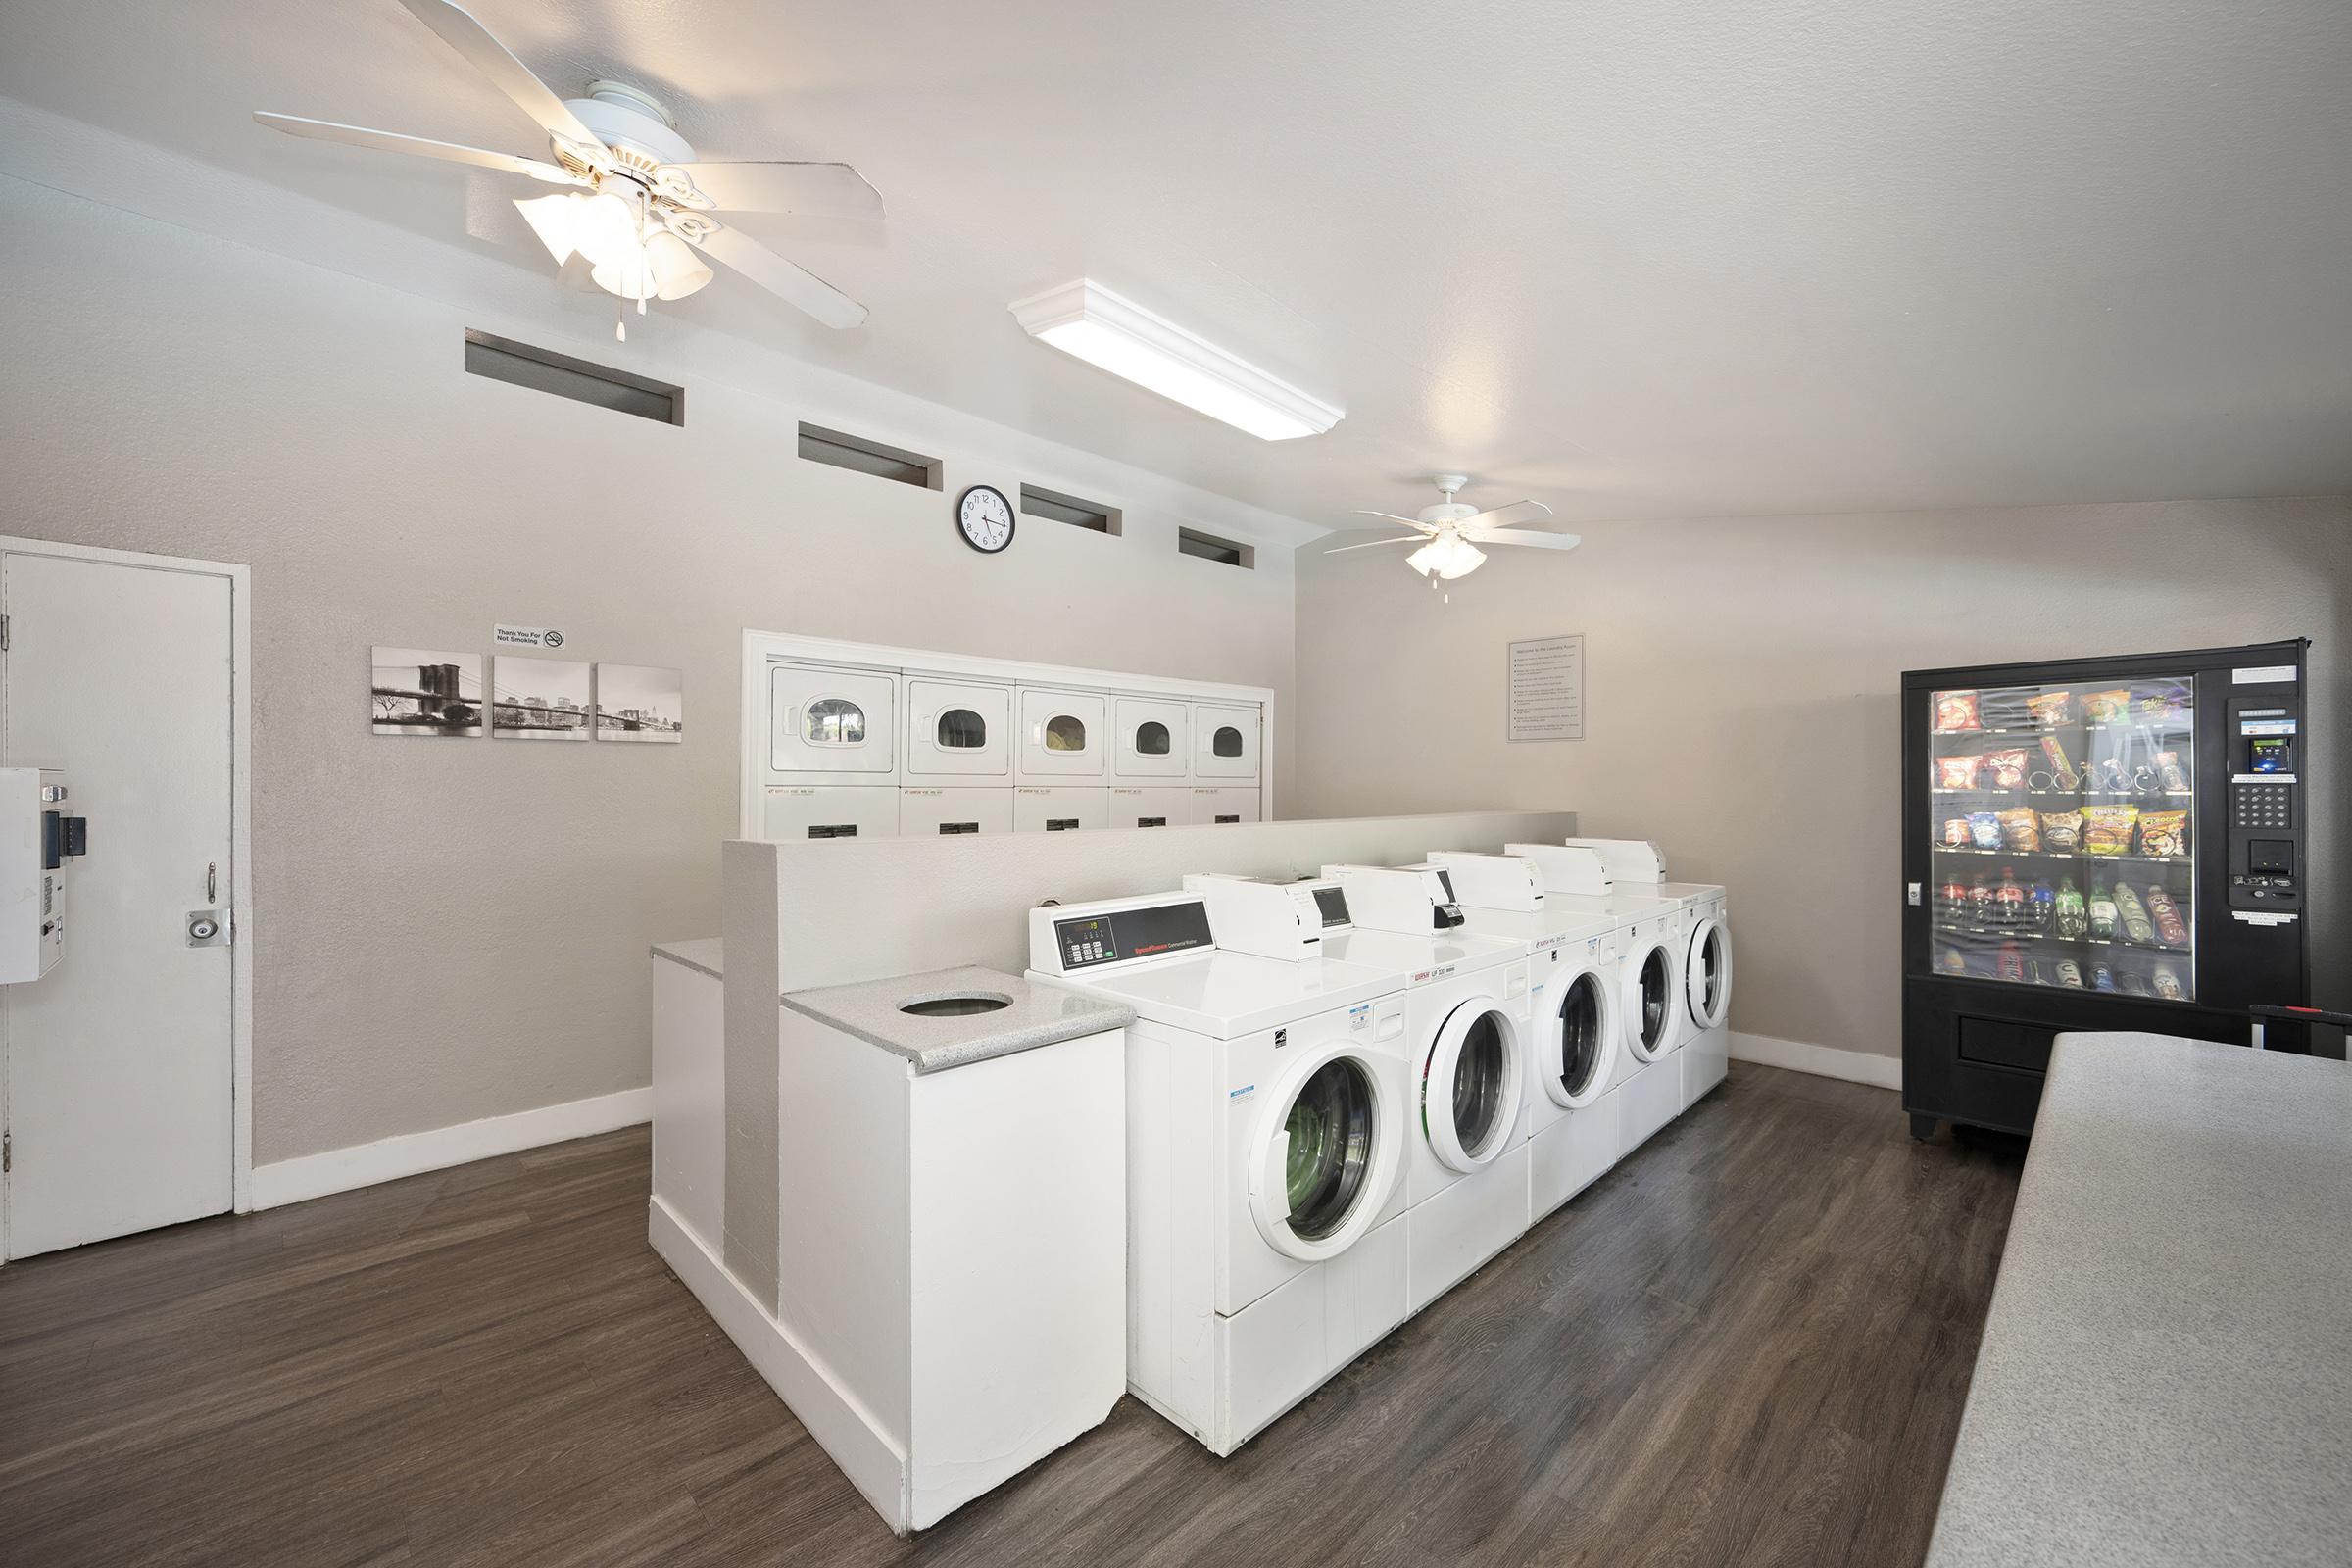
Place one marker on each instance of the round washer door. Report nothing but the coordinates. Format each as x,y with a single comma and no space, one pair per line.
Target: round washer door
1324,1154
1585,1038
1470,1085
1707,973
1648,1001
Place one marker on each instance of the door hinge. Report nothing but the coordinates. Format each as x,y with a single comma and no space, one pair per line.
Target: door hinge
3,634
8,1152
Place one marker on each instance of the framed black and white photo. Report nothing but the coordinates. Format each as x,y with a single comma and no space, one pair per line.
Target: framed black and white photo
540,699
640,703
424,691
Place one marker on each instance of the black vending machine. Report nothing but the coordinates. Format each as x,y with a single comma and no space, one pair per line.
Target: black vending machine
2096,844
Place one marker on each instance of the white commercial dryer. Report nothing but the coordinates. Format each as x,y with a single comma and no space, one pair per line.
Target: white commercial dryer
1572,1120
1636,866
1266,1146
832,758
1466,1021
1647,1078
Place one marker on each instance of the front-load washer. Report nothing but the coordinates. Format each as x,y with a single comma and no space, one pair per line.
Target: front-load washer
1572,1117
958,732
1646,987
1467,1023
1636,865
1266,1145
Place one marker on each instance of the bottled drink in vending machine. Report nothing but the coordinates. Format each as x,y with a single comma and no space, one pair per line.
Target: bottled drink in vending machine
2102,914
2013,961
2044,906
2009,901
2071,918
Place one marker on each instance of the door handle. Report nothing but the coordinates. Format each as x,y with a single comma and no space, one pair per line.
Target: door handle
211,892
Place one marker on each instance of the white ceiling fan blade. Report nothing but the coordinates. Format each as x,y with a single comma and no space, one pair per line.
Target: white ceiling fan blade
1514,536
392,142
781,277
823,190
1515,515
1410,522
1384,539
457,28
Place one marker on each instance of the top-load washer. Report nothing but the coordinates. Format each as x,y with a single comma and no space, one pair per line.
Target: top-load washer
1636,865
1649,933
1466,1029
832,756
1572,1120
1266,1141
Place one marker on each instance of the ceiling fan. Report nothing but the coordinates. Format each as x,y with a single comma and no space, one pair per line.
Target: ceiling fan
635,202
1450,532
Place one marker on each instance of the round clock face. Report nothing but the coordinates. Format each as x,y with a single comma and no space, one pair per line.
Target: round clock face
985,519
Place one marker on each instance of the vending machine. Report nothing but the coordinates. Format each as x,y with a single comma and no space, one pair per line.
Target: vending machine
2113,844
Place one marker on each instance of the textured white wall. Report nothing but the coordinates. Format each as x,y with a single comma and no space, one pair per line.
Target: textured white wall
452,929
1742,696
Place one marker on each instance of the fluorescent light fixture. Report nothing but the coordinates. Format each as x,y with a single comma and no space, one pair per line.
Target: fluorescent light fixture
1120,336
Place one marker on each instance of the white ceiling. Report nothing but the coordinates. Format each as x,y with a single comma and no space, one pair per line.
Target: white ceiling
1633,259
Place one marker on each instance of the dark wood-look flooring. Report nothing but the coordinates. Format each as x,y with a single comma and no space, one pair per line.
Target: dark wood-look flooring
1749,1345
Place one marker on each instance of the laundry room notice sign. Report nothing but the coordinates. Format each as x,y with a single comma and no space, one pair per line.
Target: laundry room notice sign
1547,690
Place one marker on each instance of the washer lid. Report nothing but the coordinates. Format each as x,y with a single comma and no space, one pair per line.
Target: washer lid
1532,926
1229,994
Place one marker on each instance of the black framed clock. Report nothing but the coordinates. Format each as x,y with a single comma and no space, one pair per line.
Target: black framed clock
983,517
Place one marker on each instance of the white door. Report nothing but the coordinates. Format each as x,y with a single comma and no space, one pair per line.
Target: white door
1153,737
827,723
958,730
1224,742
119,1063
1062,736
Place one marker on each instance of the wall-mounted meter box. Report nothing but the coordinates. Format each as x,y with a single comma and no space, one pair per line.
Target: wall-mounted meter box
39,836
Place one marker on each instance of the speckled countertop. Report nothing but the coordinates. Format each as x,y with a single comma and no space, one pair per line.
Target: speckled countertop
1034,1016
2166,1377
705,953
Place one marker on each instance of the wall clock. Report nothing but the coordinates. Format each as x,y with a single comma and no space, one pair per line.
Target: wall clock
985,519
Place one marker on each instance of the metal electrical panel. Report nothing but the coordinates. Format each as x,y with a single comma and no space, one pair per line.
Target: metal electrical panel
39,836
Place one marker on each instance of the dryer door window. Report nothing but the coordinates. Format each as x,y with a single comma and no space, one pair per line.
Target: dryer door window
961,730
1065,732
1225,741
833,721
1150,738
1330,1128
1585,1044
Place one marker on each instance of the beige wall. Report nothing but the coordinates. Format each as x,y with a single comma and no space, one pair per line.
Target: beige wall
1741,695
452,929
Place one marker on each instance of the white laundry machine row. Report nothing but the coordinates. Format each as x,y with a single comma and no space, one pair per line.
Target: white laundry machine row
1573,1122
849,740
1266,1139
1635,865
1466,1033
1651,934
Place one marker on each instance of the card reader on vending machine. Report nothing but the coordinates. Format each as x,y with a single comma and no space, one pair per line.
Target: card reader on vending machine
38,835
2266,801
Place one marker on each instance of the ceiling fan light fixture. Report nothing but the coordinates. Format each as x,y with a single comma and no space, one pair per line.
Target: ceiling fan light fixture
1113,333
552,218
677,270
1448,556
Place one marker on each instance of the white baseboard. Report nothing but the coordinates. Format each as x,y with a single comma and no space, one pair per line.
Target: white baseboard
338,1170
1823,1062
844,1428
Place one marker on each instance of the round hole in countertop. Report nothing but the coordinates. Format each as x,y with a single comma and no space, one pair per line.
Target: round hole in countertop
962,1004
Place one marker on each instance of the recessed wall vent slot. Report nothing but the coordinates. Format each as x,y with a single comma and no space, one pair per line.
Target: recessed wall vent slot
884,462
581,380
1039,502
1209,547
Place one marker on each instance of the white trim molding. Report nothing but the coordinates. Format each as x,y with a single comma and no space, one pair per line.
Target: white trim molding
339,1170
1822,1061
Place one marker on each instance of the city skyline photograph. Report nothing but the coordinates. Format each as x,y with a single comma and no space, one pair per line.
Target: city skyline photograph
540,699
424,691
640,703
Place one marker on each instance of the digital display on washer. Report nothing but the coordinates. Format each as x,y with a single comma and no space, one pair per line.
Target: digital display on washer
1334,906
1131,934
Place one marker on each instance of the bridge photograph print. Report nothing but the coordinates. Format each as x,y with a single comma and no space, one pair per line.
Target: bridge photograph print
539,699
640,703
424,691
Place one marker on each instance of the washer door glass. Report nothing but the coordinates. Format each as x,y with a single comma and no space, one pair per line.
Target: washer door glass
1583,1017
1480,1084
1710,974
1657,998
1330,1127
